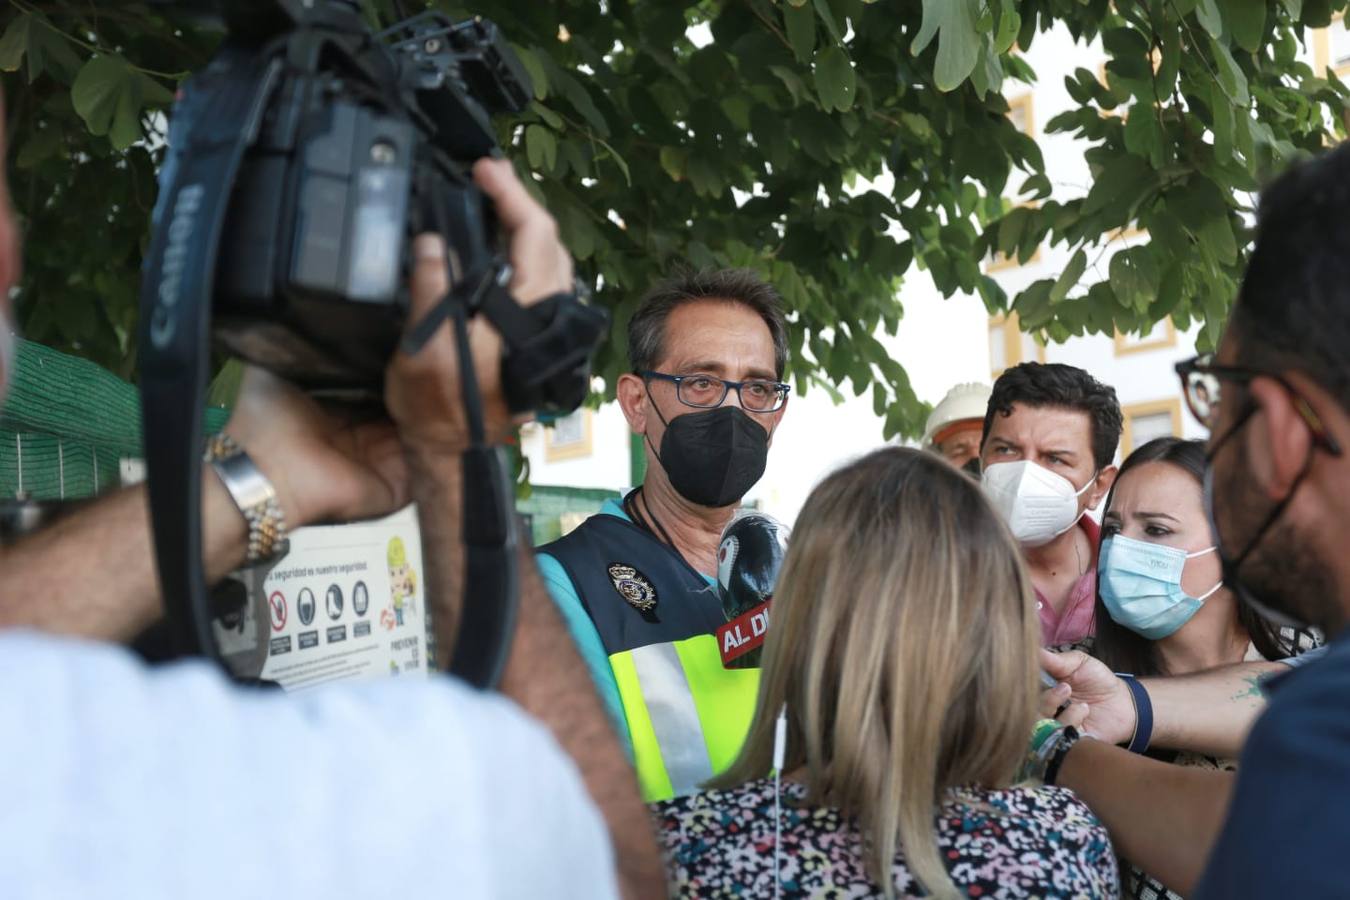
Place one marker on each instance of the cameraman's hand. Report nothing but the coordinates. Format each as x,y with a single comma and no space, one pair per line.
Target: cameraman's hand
322,469
423,391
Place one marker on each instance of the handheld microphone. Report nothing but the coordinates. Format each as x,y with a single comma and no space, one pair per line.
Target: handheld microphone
748,560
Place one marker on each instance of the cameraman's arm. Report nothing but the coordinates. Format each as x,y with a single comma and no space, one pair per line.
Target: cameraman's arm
544,673
92,574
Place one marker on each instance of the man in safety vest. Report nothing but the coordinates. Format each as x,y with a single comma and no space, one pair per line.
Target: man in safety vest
636,582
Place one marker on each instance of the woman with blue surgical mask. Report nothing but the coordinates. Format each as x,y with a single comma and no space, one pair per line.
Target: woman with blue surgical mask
1162,607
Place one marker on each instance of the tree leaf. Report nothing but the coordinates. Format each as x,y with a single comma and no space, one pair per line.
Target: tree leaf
1125,42
1246,20
959,40
224,388
826,16
1125,177
1217,237
551,119
1222,111
791,81
1230,75
40,147
800,22
618,161
1009,24
541,148
32,38
1133,277
836,82
125,129
1196,202
1069,277
1143,136
14,43
538,76
98,90
1207,12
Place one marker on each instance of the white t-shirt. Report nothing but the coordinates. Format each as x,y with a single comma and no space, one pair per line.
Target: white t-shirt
119,780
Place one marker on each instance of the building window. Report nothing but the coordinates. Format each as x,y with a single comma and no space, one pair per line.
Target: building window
569,437
1021,112
1146,421
1162,334
1008,345
1331,47
1338,37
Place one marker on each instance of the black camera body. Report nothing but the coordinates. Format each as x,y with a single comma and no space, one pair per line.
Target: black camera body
358,145
302,162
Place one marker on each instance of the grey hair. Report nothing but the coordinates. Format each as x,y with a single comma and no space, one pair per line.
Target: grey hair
647,328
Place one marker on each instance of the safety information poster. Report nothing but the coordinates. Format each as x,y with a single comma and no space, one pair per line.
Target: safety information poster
347,603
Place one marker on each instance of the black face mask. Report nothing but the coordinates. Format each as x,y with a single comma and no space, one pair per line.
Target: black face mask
714,457
1266,606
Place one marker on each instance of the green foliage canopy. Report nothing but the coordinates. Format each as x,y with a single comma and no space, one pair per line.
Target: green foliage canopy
757,133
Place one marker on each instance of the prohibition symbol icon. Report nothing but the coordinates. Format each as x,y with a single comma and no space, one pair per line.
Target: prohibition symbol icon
277,604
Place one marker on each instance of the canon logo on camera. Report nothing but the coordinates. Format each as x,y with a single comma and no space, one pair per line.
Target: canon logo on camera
163,323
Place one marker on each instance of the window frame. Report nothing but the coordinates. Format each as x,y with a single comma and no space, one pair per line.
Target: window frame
1129,412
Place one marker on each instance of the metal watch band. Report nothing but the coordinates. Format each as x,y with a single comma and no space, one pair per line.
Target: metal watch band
255,497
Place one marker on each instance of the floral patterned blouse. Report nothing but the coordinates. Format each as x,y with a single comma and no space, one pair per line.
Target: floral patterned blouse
1022,842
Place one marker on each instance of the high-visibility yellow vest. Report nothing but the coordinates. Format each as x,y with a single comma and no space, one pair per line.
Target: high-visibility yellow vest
687,715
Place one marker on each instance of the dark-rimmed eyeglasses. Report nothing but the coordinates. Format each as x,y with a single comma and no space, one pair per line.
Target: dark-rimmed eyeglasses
1202,385
706,392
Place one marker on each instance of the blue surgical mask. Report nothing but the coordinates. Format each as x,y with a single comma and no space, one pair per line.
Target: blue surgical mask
1140,585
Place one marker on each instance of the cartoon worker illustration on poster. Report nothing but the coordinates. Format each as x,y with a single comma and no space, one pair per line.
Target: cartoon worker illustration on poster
402,582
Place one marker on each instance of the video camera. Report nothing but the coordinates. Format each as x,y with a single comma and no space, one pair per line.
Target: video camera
302,162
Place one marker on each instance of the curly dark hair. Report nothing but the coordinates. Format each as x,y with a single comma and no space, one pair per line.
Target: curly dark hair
1069,387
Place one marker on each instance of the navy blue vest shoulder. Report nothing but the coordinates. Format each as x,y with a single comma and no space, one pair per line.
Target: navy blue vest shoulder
686,604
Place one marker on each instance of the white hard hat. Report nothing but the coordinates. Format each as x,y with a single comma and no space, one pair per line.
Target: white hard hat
963,402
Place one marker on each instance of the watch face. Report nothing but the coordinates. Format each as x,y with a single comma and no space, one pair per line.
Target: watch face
333,601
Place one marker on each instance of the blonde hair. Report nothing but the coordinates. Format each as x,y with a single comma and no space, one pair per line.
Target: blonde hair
903,641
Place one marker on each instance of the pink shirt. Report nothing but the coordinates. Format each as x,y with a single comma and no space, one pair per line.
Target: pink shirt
1075,622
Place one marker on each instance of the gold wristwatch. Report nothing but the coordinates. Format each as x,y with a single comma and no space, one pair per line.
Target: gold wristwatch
255,497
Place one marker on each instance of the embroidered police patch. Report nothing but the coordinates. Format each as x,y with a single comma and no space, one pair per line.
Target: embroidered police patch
633,587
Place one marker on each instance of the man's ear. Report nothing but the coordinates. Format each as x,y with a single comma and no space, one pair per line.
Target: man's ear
778,419
1101,486
632,394
1279,439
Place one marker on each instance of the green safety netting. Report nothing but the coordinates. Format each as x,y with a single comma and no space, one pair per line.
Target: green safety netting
67,424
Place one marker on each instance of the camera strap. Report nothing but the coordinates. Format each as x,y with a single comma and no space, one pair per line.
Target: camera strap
176,290
492,576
